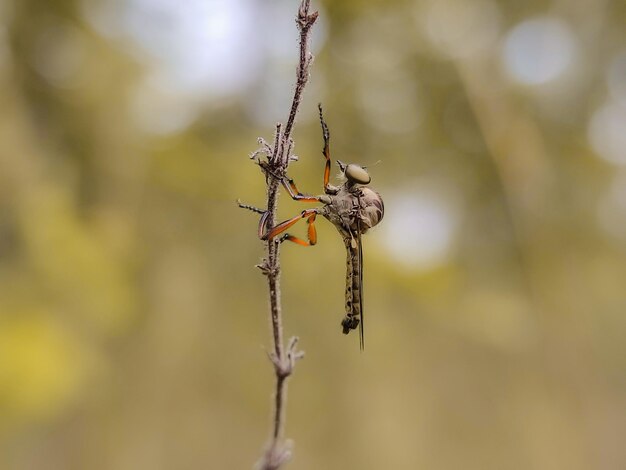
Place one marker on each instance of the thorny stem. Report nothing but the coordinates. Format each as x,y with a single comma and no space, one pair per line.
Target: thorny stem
305,21
283,358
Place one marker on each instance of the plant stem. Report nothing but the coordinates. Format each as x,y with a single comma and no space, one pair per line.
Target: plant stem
283,358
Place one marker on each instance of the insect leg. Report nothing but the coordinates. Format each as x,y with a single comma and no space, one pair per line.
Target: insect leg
326,151
309,214
290,186
264,216
311,234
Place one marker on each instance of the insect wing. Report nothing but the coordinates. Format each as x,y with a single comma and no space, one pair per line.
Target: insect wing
360,270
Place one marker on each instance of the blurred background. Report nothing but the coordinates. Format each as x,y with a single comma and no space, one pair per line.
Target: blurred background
133,323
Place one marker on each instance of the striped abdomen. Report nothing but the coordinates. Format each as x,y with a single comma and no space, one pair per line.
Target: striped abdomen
353,285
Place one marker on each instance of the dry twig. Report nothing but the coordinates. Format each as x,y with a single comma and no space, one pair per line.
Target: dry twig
275,167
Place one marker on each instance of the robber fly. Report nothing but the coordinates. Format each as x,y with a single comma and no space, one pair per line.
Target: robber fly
352,208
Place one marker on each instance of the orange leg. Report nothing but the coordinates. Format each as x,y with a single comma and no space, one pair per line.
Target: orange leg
265,234
290,186
308,214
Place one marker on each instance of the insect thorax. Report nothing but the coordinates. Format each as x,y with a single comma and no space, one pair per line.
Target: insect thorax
372,209
354,208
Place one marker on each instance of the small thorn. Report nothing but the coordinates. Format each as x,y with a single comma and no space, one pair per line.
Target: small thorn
264,267
276,456
293,354
293,342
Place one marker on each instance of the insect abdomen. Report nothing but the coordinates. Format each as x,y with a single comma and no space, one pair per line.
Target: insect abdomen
353,289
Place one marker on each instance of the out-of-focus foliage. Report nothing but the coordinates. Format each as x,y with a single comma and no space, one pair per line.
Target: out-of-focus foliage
132,320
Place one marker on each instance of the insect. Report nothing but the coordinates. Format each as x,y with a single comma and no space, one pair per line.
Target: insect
352,208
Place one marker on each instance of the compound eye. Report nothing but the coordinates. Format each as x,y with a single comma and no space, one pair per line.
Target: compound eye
357,174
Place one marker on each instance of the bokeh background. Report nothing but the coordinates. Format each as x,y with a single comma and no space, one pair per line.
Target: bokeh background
133,323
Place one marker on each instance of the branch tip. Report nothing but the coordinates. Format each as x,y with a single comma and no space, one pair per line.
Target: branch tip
275,456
